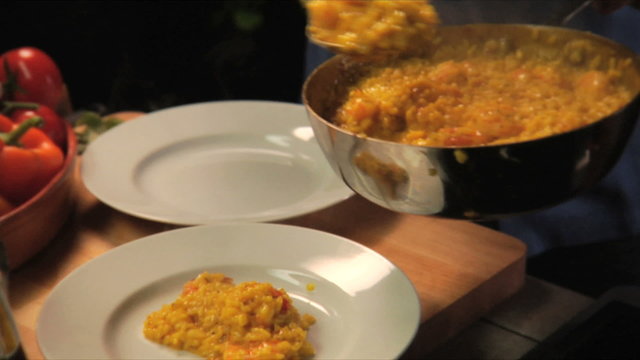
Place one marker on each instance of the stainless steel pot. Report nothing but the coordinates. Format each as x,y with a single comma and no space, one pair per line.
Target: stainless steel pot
484,182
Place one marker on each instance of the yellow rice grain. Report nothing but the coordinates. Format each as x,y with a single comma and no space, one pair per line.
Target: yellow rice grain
367,27
218,320
480,99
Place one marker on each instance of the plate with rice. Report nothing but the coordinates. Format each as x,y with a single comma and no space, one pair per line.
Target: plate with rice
324,296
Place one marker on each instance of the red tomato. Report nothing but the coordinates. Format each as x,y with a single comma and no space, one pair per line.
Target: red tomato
29,74
5,206
53,124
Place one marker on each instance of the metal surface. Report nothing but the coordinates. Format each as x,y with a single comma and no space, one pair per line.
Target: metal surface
486,182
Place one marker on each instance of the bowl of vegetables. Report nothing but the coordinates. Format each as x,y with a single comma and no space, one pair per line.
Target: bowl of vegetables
38,150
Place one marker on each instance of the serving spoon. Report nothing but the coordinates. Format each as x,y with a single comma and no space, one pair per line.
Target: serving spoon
565,17
359,45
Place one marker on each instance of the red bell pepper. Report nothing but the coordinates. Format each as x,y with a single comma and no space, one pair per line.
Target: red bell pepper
29,74
28,160
5,206
53,124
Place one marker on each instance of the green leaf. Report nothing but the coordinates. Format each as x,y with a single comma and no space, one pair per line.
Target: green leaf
91,119
247,20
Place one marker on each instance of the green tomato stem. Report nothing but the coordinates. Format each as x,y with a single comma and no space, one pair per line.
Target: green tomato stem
10,106
13,137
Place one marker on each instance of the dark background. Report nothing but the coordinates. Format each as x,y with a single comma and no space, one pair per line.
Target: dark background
148,55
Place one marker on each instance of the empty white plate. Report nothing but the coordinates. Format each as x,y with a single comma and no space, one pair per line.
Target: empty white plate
213,162
366,308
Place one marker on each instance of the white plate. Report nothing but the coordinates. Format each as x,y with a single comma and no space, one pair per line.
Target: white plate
213,162
365,307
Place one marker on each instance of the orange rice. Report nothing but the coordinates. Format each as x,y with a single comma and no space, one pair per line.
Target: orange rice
366,27
216,319
478,100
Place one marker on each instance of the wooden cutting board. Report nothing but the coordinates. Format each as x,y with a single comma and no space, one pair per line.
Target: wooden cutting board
459,269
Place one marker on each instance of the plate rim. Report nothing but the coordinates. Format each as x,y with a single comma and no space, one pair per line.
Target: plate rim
169,236
334,192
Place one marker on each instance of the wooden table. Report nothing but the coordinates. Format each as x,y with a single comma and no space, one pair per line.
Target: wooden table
461,270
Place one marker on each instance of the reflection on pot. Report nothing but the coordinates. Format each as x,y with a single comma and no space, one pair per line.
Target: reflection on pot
388,177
